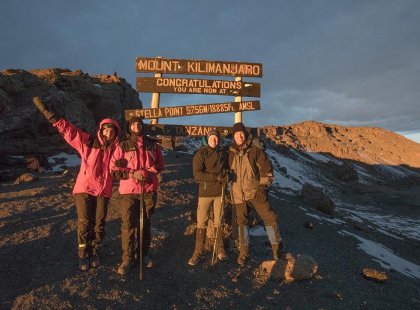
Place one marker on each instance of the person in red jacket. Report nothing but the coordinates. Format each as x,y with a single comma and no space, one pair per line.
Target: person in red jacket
136,162
93,186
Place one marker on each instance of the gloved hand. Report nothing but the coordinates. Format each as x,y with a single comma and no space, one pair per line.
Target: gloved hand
261,194
50,116
223,177
121,163
140,175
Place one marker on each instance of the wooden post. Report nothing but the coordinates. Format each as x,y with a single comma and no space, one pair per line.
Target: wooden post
155,101
238,115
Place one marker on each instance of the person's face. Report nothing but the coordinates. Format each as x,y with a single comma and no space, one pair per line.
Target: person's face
108,133
239,138
213,141
136,127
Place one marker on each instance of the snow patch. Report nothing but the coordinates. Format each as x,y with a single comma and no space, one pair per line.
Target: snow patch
323,158
385,257
322,218
69,160
388,224
257,231
294,171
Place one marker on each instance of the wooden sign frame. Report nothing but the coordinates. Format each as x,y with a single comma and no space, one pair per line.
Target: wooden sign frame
197,86
191,130
190,110
198,67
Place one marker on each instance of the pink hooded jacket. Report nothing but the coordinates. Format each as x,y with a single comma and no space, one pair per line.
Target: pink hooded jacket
94,177
137,153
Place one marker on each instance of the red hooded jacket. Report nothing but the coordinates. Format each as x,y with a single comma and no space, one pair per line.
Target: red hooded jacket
94,177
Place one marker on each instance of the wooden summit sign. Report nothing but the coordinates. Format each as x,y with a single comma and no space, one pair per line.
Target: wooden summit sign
190,130
199,67
188,110
197,86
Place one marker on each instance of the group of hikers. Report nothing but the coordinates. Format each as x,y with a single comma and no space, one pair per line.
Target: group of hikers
136,163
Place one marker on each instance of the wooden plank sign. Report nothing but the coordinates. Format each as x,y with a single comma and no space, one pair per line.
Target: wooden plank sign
190,130
198,109
198,67
197,86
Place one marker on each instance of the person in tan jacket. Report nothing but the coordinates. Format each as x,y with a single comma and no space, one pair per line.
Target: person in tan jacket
252,175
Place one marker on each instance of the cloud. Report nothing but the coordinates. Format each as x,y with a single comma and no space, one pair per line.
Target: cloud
346,62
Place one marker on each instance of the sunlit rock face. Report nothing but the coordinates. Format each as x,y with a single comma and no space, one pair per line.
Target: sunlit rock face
369,145
79,97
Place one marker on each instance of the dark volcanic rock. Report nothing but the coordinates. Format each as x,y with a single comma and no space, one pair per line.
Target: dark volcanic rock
315,197
344,172
82,99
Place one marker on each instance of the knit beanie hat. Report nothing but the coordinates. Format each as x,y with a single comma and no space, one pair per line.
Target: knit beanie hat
239,127
135,119
213,132
131,121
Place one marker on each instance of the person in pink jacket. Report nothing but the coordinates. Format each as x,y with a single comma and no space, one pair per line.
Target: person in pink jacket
93,186
136,162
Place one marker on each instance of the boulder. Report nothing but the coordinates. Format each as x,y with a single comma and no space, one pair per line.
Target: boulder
291,268
26,177
315,197
344,172
374,275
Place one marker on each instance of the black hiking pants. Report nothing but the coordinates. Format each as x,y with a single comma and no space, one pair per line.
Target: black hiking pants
263,209
130,218
91,218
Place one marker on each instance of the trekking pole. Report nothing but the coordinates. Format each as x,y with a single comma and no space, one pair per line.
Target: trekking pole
141,224
218,227
234,232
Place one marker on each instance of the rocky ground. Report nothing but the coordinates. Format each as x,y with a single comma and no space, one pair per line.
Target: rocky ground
38,256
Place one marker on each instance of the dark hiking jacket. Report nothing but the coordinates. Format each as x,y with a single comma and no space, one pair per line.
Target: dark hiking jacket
208,163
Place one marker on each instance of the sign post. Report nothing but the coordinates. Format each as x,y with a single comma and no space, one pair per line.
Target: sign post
238,115
155,101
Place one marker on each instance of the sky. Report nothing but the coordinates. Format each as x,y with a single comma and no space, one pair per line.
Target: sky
347,62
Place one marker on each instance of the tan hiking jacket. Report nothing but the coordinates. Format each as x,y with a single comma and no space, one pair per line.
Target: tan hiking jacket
250,167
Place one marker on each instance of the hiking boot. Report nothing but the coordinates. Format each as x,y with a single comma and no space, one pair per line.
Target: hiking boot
243,255
275,248
275,240
243,245
124,267
148,263
200,237
94,261
221,254
83,264
194,260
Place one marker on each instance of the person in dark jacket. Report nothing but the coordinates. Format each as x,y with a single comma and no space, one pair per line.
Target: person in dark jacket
136,162
210,172
252,175
93,186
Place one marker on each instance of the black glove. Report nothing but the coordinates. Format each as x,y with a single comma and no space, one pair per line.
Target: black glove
50,116
140,175
121,163
261,194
